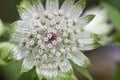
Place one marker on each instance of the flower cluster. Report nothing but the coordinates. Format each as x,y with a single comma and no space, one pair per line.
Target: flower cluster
48,37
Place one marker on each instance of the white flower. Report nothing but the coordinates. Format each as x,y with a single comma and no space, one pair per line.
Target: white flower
48,37
99,24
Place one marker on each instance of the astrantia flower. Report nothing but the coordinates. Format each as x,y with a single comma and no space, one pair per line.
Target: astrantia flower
99,25
49,37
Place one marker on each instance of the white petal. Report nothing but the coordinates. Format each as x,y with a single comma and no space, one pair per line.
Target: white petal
52,5
28,63
17,54
85,35
21,30
46,72
23,23
67,5
40,6
98,28
28,10
80,59
87,47
83,21
65,66
99,24
86,41
77,9
23,9
63,24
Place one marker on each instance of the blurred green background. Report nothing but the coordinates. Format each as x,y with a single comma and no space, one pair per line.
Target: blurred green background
105,59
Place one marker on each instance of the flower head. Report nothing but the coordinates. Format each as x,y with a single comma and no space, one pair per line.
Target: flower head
99,24
48,37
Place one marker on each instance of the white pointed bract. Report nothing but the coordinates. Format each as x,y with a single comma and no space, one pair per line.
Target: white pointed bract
99,24
49,37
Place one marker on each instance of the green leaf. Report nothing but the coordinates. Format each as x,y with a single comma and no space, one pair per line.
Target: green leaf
115,3
117,74
114,15
7,31
2,62
66,76
30,75
5,48
83,71
11,71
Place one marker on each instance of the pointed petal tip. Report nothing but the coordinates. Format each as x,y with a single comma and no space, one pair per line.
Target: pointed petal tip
90,17
52,5
81,3
86,63
27,65
80,59
24,4
24,69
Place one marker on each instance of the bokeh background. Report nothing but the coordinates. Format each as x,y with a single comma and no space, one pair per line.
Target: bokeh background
105,59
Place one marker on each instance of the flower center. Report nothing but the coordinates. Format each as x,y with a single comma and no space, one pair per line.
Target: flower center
52,39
